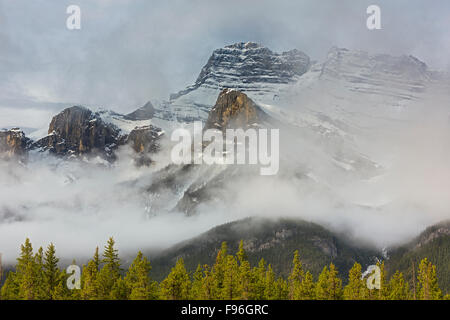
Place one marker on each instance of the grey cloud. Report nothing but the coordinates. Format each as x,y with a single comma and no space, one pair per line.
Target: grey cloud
130,51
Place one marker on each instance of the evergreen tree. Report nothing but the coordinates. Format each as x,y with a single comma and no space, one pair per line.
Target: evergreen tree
322,285
110,272
356,288
218,271
137,281
241,254
230,289
29,274
177,284
329,286
270,290
89,286
197,290
258,283
334,283
10,289
96,259
208,284
51,271
427,285
282,289
120,291
306,289
61,291
245,274
398,287
296,276
384,292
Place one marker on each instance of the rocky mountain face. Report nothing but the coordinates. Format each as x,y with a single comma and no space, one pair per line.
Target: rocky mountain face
402,76
247,67
144,139
80,131
13,143
234,109
192,185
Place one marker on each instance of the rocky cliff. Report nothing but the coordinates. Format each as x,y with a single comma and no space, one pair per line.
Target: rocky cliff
13,143
78,130
234,109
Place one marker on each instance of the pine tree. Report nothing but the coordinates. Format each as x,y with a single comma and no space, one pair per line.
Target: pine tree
218,271
120,291
282,289
110,257
329,286
241,254
230,289
270,290
398,287
258,283
356,288
89,286
296,276
61,291
137,281
29,275
10,289
427,284
245,274
96,259
208,284
40,285
306,289
335,283
322,285
384,292
177,284
110,273
197,290
51,271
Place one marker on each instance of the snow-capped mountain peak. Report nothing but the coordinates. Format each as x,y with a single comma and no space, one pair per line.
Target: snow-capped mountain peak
247,67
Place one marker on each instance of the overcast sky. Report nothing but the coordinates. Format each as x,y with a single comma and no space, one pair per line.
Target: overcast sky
128,52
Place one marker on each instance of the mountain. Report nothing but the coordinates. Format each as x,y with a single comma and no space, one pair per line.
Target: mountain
247,67
433,244
234,109
400,76
13,143
189,186
145,112
275,240
77,131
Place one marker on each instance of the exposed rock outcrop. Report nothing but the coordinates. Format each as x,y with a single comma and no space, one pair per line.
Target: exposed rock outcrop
247,65
233,109
13,143
144,139
78,130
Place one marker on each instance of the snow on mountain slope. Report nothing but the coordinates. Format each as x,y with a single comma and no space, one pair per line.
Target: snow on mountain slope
354,94
247,67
